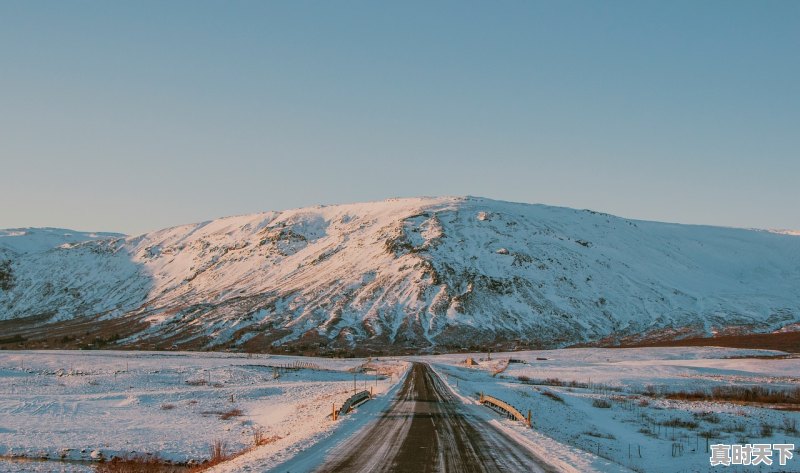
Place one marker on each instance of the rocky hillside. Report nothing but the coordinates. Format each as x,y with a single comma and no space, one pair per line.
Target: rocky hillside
396,276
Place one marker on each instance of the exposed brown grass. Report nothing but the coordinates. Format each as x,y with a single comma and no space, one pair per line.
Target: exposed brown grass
789,425
601,403
35,331
745,394
707,416
552,395
783,341
678,422
260,438
138,463
552,382
224,415
218,452
230,414
594,433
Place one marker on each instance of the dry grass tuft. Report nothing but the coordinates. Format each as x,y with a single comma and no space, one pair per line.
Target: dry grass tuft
218,452
602,403
260,438
741,394
138,463
678,422
231,413
707,416
789,425
594,433
552,395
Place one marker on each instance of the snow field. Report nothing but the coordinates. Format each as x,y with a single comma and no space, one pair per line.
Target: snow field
81,406
601,419
305,456
593,409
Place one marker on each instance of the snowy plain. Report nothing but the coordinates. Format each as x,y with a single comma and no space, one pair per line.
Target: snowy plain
640,430
81,406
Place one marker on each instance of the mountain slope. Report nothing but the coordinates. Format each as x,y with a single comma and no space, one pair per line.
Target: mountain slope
406,274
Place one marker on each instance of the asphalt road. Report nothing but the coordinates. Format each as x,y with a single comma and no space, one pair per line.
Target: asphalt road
427,430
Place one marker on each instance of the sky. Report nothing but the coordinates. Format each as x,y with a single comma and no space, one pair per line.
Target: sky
134,116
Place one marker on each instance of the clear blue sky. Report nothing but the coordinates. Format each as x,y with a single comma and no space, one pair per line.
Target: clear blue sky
134,116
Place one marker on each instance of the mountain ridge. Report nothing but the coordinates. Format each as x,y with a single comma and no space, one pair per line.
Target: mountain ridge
405,274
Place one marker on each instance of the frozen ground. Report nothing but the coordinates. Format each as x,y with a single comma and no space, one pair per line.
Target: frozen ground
79,405
306,456
641,430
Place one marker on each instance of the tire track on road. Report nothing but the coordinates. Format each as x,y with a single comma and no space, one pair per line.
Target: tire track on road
427,430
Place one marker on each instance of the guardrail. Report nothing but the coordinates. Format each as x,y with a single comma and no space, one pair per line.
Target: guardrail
352,402
507,408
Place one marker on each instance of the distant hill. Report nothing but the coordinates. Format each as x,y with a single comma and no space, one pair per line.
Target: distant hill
401,275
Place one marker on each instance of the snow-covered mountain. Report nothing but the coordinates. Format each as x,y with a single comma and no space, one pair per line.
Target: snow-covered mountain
786,232
32,240
402,274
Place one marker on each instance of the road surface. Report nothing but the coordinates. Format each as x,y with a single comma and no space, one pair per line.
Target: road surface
427,430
